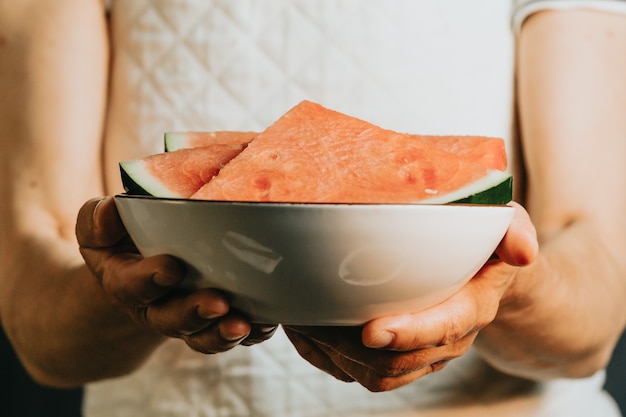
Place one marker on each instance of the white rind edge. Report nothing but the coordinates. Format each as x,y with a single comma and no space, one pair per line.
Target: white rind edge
136,169
174,141
492,179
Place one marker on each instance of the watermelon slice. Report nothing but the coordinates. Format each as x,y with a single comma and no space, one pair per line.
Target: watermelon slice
486,150
314,154
176,174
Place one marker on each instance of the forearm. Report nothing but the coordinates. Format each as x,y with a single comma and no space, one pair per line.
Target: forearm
64,329
53,70
563,314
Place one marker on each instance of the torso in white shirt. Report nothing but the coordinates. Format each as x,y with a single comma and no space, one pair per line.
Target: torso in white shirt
418,66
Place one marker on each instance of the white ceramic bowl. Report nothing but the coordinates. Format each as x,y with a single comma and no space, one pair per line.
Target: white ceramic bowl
320,264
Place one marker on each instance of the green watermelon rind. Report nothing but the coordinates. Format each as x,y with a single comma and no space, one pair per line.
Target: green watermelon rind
175,140
482,191
138,181
499,194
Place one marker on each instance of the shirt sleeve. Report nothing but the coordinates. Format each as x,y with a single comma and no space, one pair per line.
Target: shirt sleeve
524,8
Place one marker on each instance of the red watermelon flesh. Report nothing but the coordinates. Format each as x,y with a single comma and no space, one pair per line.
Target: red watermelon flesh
483,150
177,174
488,151
314,154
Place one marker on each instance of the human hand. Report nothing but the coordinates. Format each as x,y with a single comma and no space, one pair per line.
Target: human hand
393,351
147,289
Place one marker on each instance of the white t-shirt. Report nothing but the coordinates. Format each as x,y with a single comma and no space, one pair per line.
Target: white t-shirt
418,66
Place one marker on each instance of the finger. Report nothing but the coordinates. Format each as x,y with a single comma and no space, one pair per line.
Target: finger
181,315
347,344
98,224
378,370
316,356
259,333
400,368
519,246
367,376
466,312
132,280
222,335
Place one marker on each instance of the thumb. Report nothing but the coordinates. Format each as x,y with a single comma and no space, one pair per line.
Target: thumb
98,224
519,247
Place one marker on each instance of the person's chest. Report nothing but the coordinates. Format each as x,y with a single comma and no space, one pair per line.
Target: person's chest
431,67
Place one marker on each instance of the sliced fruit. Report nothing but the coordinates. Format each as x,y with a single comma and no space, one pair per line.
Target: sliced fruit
176,174
314,154
485,150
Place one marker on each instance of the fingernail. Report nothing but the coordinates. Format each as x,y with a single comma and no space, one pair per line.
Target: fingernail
95,210
234,337
267,329
165,280
209,314
381,340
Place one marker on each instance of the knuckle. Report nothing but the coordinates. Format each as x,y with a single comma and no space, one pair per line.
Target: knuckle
437,366
140,317
461,325
404,364
125,298
455,331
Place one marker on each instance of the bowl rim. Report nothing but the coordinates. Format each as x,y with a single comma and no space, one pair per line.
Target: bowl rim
124,196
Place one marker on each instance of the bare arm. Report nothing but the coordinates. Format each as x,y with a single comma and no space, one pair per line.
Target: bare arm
563,315
53,70
70,326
